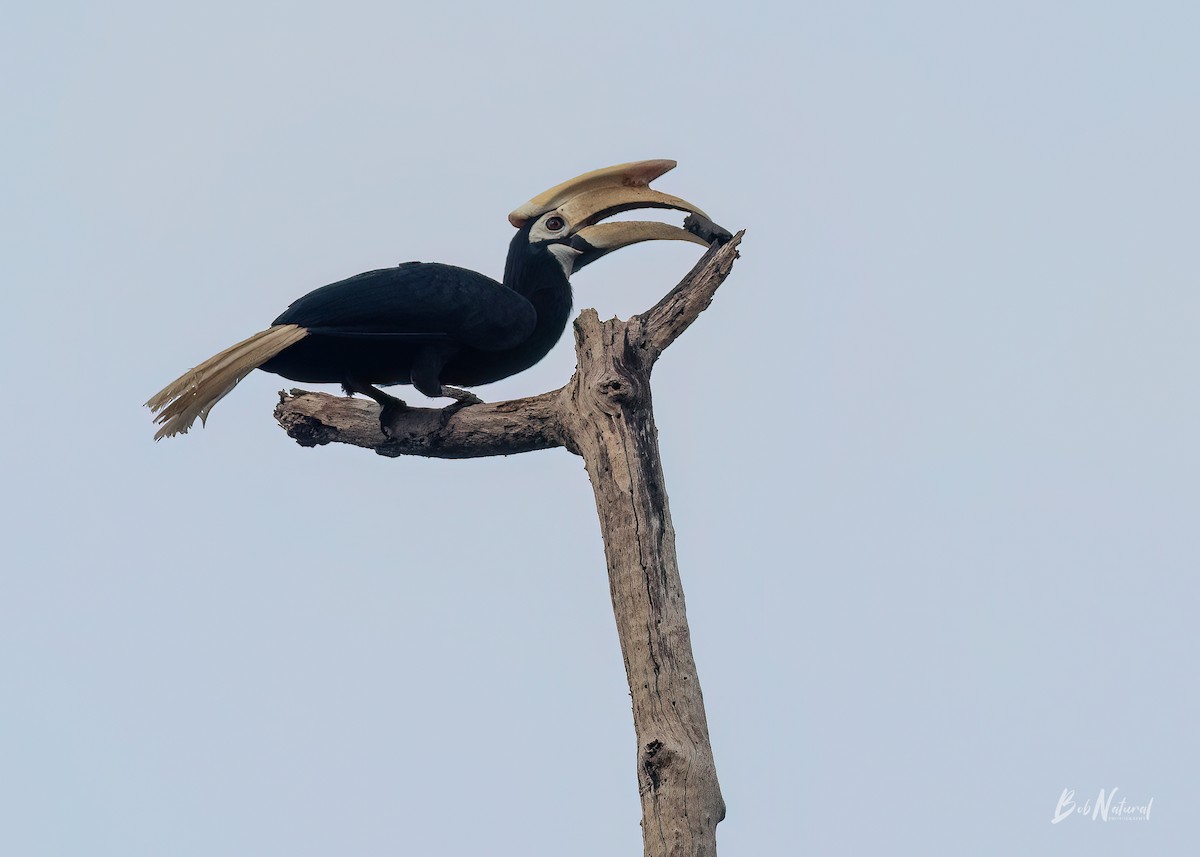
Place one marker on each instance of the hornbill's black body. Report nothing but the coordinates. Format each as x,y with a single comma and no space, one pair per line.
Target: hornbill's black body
437,326
427,324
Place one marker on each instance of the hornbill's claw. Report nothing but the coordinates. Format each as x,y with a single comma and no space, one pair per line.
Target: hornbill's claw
462,397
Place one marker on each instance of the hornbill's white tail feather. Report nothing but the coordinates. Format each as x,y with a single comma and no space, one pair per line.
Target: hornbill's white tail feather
195,392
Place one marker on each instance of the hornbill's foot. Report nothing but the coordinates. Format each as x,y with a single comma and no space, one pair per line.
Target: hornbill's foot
462,399
389,414
390,408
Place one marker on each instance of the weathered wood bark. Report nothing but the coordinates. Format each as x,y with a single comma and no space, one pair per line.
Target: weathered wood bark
604,415
612,427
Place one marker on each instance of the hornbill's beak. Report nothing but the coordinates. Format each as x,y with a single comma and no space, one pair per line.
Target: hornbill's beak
587,199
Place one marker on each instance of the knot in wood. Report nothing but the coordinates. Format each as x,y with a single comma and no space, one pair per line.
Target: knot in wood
657,757
616,388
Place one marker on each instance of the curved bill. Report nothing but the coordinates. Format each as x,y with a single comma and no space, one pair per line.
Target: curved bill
592,242
586,200
595,205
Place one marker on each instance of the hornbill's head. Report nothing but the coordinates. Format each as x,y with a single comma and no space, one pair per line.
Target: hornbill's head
564,221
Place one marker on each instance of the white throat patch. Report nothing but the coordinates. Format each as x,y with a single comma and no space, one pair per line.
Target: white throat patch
566,256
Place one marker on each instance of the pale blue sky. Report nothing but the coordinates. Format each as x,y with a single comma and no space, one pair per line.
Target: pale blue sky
931,452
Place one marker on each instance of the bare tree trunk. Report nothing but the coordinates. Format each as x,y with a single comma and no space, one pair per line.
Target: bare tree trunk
605,416
611,424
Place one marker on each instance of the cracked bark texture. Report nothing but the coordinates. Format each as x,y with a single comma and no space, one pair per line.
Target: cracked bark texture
605,415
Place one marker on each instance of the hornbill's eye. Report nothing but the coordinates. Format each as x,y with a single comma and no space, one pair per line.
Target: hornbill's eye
555,223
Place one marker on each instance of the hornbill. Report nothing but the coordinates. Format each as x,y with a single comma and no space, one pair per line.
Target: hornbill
433,325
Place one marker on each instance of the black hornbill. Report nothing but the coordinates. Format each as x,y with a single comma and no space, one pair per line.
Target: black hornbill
433,325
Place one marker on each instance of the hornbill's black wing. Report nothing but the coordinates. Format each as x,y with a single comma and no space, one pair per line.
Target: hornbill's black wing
417,302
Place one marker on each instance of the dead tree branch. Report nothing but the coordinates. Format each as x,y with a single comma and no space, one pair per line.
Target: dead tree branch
604,415
497,428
